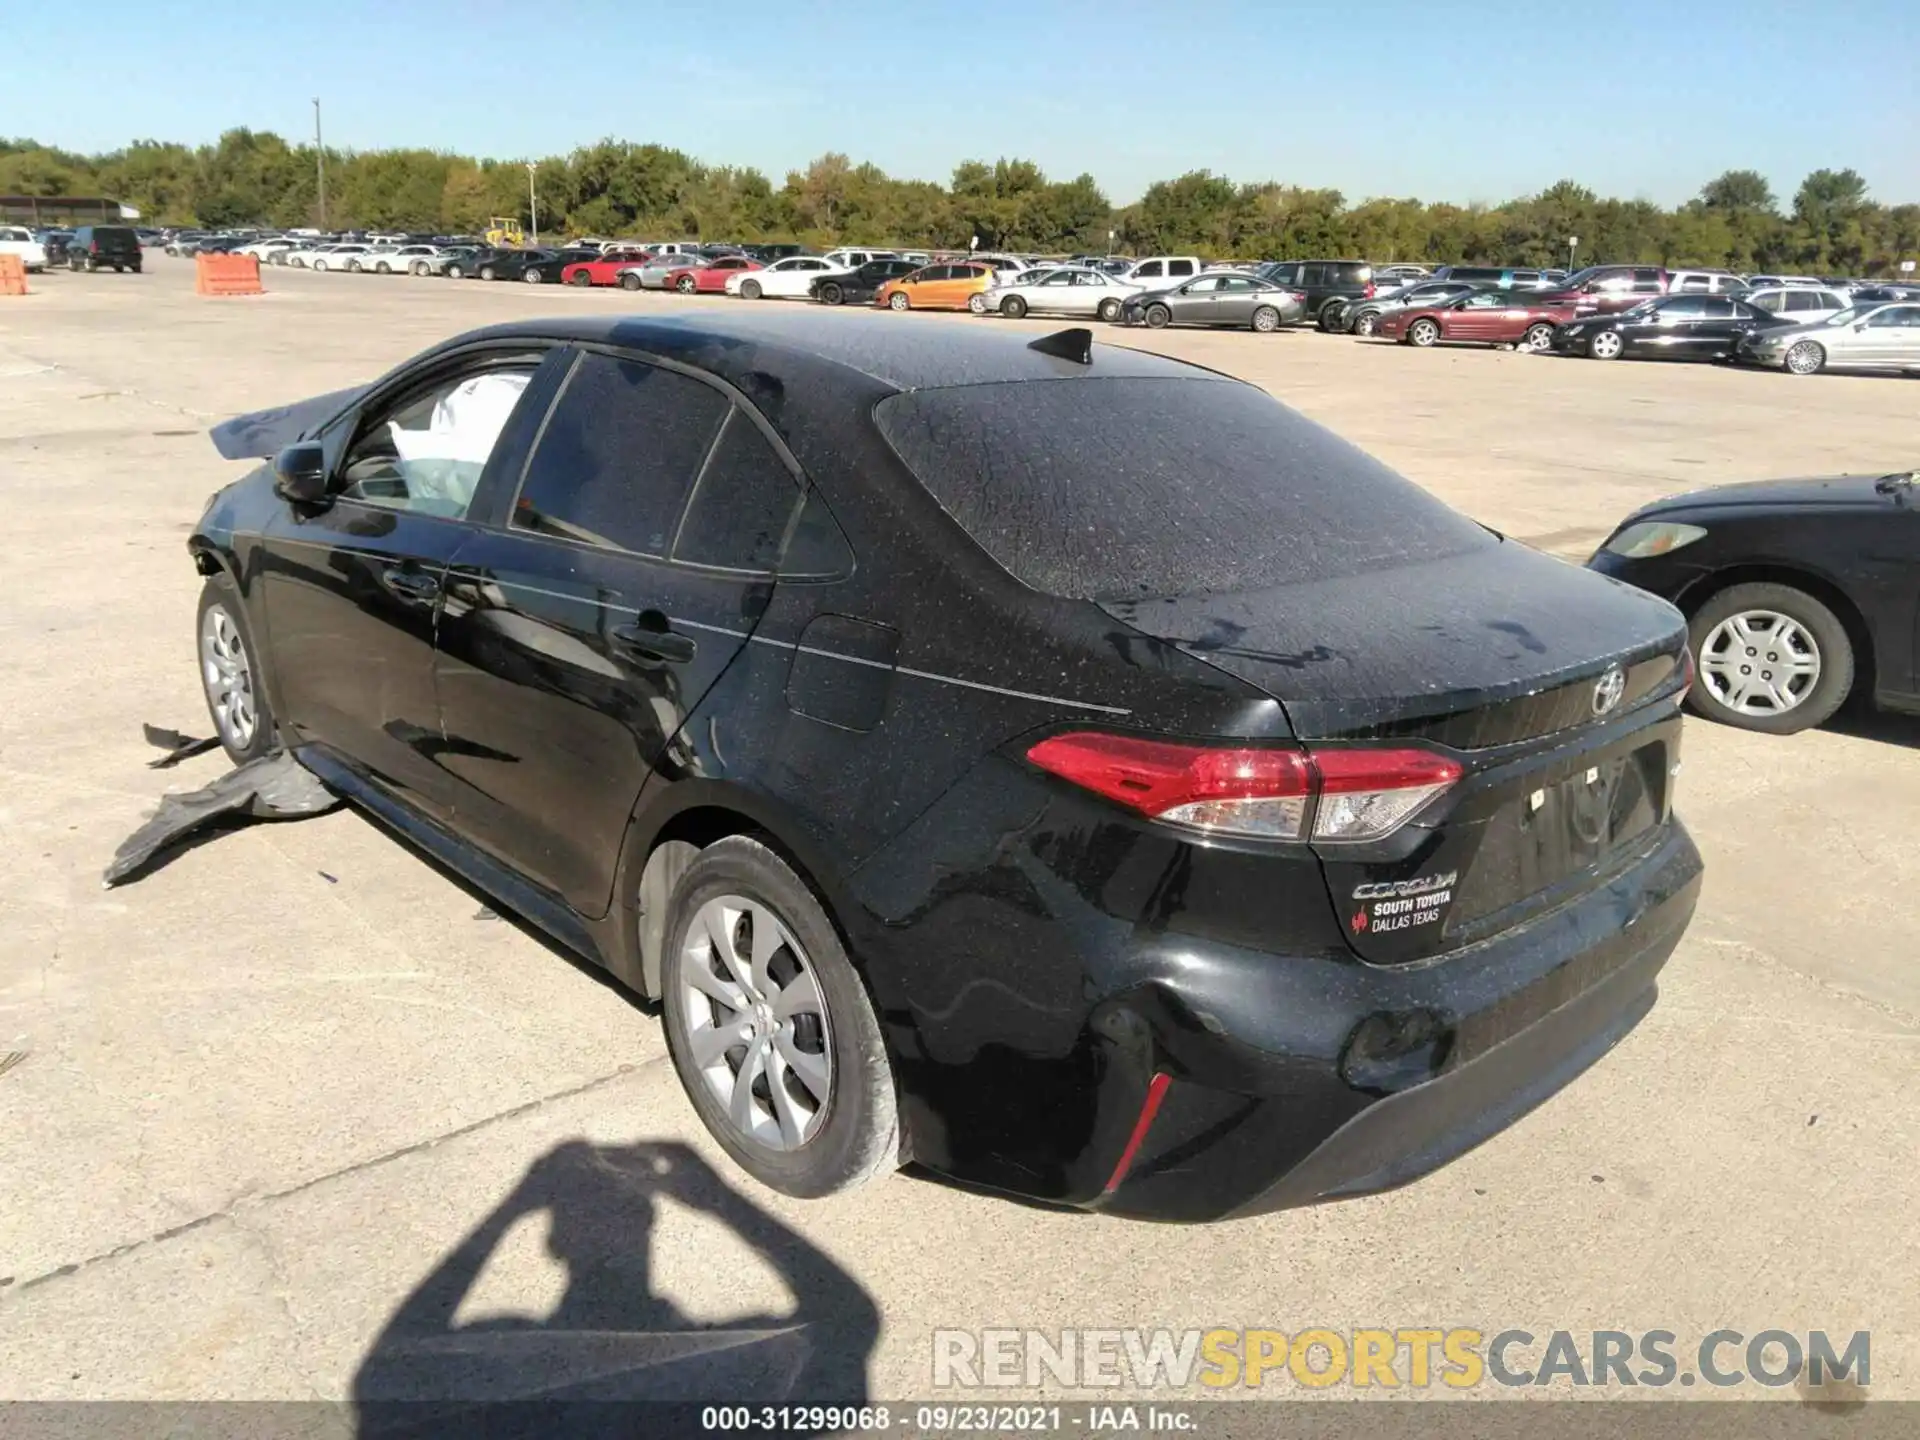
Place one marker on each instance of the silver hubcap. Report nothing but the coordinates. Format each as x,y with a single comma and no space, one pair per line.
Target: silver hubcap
1760,662
1364,325
757,1022
1606,344
1424,333
228,677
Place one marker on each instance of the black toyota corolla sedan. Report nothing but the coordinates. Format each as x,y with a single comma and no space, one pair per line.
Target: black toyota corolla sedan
1797,593
1062,767
1668,327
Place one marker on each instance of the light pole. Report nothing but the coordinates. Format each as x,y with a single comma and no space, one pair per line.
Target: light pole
1573,244
320,163
533,202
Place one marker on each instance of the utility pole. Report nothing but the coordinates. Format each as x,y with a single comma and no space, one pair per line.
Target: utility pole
533,202
320,162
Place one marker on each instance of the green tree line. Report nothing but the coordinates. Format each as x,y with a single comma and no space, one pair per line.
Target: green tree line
616,189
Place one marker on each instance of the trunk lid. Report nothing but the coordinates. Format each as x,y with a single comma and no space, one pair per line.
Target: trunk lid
1555,688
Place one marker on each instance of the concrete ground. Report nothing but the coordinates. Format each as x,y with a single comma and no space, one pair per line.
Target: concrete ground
292,1101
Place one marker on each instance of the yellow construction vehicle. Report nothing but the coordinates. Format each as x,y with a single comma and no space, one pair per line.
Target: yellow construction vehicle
503,231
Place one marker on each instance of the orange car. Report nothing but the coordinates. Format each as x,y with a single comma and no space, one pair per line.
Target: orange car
935,287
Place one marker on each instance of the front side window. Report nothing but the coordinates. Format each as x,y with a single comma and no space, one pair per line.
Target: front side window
618,455
1149,270
426,452
1896,316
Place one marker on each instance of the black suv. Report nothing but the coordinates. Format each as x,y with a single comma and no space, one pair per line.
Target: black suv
93,247
1329,285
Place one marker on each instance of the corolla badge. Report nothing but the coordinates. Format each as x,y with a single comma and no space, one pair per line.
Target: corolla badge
1608,691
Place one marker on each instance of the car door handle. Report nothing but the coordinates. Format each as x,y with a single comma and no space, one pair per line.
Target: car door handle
653,642
411,584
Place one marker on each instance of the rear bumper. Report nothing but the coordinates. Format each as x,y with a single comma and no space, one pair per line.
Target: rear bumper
1429,1061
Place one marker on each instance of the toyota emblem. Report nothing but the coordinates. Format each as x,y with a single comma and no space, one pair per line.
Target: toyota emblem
1608,691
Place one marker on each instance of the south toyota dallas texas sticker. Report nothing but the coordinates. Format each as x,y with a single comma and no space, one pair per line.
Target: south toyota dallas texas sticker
1399,904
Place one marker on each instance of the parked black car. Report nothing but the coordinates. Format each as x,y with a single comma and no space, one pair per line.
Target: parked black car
1796,593
966,783
98,247
1329,285
535,267
468,267
55,243
1671,327
858,287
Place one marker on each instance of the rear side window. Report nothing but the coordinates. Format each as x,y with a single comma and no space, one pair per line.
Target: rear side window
1803,300
1180,267
741,504
618,455
1351,274
1111,489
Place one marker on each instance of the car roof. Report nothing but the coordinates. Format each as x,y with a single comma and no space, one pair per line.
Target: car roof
904,356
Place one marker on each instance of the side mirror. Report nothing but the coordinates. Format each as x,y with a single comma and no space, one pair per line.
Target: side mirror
300,474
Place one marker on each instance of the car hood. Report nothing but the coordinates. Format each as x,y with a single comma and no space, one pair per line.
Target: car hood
1818,491
1386,649
262,434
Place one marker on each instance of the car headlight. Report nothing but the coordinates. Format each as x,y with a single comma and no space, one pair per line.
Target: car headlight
1649,538
1574,329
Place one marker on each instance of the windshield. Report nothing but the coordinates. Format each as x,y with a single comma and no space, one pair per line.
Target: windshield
1846,316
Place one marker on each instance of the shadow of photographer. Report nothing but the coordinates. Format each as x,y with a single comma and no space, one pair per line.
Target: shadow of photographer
612,1340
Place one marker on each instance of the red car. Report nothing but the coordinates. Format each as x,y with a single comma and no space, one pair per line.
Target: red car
605,270
1609,289
710,276
1490,317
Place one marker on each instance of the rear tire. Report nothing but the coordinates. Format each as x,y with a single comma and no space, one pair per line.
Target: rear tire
977,304
1266,320
1538,337
1109,311
383,268
852,1136
1783,628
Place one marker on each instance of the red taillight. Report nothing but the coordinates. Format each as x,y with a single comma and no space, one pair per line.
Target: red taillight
1369,293
1281,794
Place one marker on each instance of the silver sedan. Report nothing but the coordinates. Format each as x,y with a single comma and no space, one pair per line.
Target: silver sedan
1220,297
652,275
1863,337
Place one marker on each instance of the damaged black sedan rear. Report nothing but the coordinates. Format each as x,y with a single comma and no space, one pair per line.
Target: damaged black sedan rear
1059,766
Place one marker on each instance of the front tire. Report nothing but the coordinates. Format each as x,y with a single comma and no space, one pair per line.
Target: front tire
383,268
750,290
230,674
1329,317
487,272
831,295
685,284
629,282
1158,317
1364,322
899,301
1607,345
770,1027
532,276
1013,307
1771,658
1423,333
1807,357
454,272
581,277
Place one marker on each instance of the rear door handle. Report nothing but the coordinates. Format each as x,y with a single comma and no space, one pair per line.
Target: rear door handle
412,584
650,643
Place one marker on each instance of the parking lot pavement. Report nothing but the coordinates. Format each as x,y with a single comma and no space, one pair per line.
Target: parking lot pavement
291,1106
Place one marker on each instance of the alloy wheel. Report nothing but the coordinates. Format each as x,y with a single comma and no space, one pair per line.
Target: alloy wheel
1363,323
757,1025
1806,358
1760,662
228,675
1604,346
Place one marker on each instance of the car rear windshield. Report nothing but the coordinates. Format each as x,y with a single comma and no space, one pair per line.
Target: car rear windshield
1128,488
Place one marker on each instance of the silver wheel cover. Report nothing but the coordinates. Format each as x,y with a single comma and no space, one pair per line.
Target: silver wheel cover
757,1028
1760,662
228,677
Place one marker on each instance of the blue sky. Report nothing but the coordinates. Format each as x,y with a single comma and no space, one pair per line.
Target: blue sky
1444,101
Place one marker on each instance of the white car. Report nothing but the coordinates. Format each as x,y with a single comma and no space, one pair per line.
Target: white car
301,257
1161,272
262,250
1062,290
854,259
341,257
1800,304
788,279
414,259
17,240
